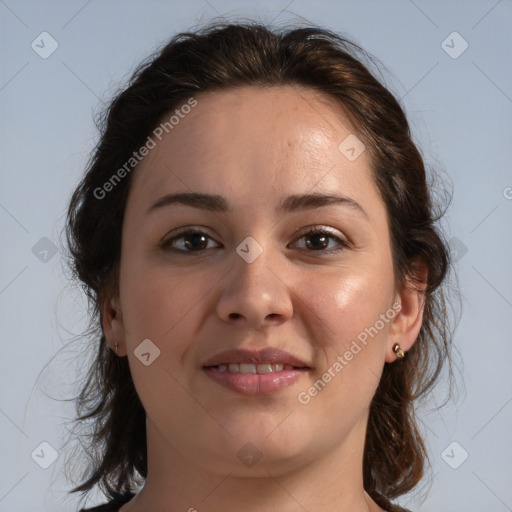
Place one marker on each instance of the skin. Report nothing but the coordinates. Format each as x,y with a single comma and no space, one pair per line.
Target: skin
254,146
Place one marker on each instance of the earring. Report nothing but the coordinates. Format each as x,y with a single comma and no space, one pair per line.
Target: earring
115,344
400,354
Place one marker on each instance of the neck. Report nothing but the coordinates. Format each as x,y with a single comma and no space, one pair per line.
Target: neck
332,483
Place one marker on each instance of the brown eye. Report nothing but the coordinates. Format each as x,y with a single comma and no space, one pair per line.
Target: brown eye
192,240
318,240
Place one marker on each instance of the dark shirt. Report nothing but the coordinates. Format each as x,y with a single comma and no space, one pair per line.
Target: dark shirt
112,506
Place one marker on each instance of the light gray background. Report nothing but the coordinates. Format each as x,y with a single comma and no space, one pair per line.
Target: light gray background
460,111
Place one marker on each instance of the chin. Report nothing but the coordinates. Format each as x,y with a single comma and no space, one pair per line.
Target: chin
273,440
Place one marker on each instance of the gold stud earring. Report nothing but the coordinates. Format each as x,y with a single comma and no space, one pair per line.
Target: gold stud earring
400,354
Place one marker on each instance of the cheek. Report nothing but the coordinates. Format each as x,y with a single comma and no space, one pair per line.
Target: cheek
346,303
351,344
161,306
156,302
353,319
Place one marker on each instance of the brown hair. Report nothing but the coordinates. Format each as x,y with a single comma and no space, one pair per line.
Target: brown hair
225,55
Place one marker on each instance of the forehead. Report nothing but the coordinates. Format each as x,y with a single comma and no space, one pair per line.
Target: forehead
255,141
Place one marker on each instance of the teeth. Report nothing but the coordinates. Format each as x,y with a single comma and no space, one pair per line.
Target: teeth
269,368
247,368
250,368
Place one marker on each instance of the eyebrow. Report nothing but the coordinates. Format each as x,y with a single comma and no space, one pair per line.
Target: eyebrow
290,204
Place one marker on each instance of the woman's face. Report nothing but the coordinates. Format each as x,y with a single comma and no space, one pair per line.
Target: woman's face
250,278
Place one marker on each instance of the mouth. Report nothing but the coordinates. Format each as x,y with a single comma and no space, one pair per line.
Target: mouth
255,373
253,369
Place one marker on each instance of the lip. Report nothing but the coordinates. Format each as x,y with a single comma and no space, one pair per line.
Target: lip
266,355
256,384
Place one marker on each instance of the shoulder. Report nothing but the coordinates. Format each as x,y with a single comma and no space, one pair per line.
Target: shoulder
113,505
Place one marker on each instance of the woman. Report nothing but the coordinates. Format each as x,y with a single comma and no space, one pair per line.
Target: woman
257,239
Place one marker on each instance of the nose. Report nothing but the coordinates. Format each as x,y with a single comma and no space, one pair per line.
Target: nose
255,294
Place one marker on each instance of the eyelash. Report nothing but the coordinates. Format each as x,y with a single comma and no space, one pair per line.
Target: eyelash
343,245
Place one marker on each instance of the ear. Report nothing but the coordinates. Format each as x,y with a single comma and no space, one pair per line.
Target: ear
406,325
112,323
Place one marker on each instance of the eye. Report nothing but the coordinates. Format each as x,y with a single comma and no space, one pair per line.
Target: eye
193,240
317,240
190,240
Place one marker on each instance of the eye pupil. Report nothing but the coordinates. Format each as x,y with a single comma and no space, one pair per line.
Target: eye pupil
319,237
197,237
